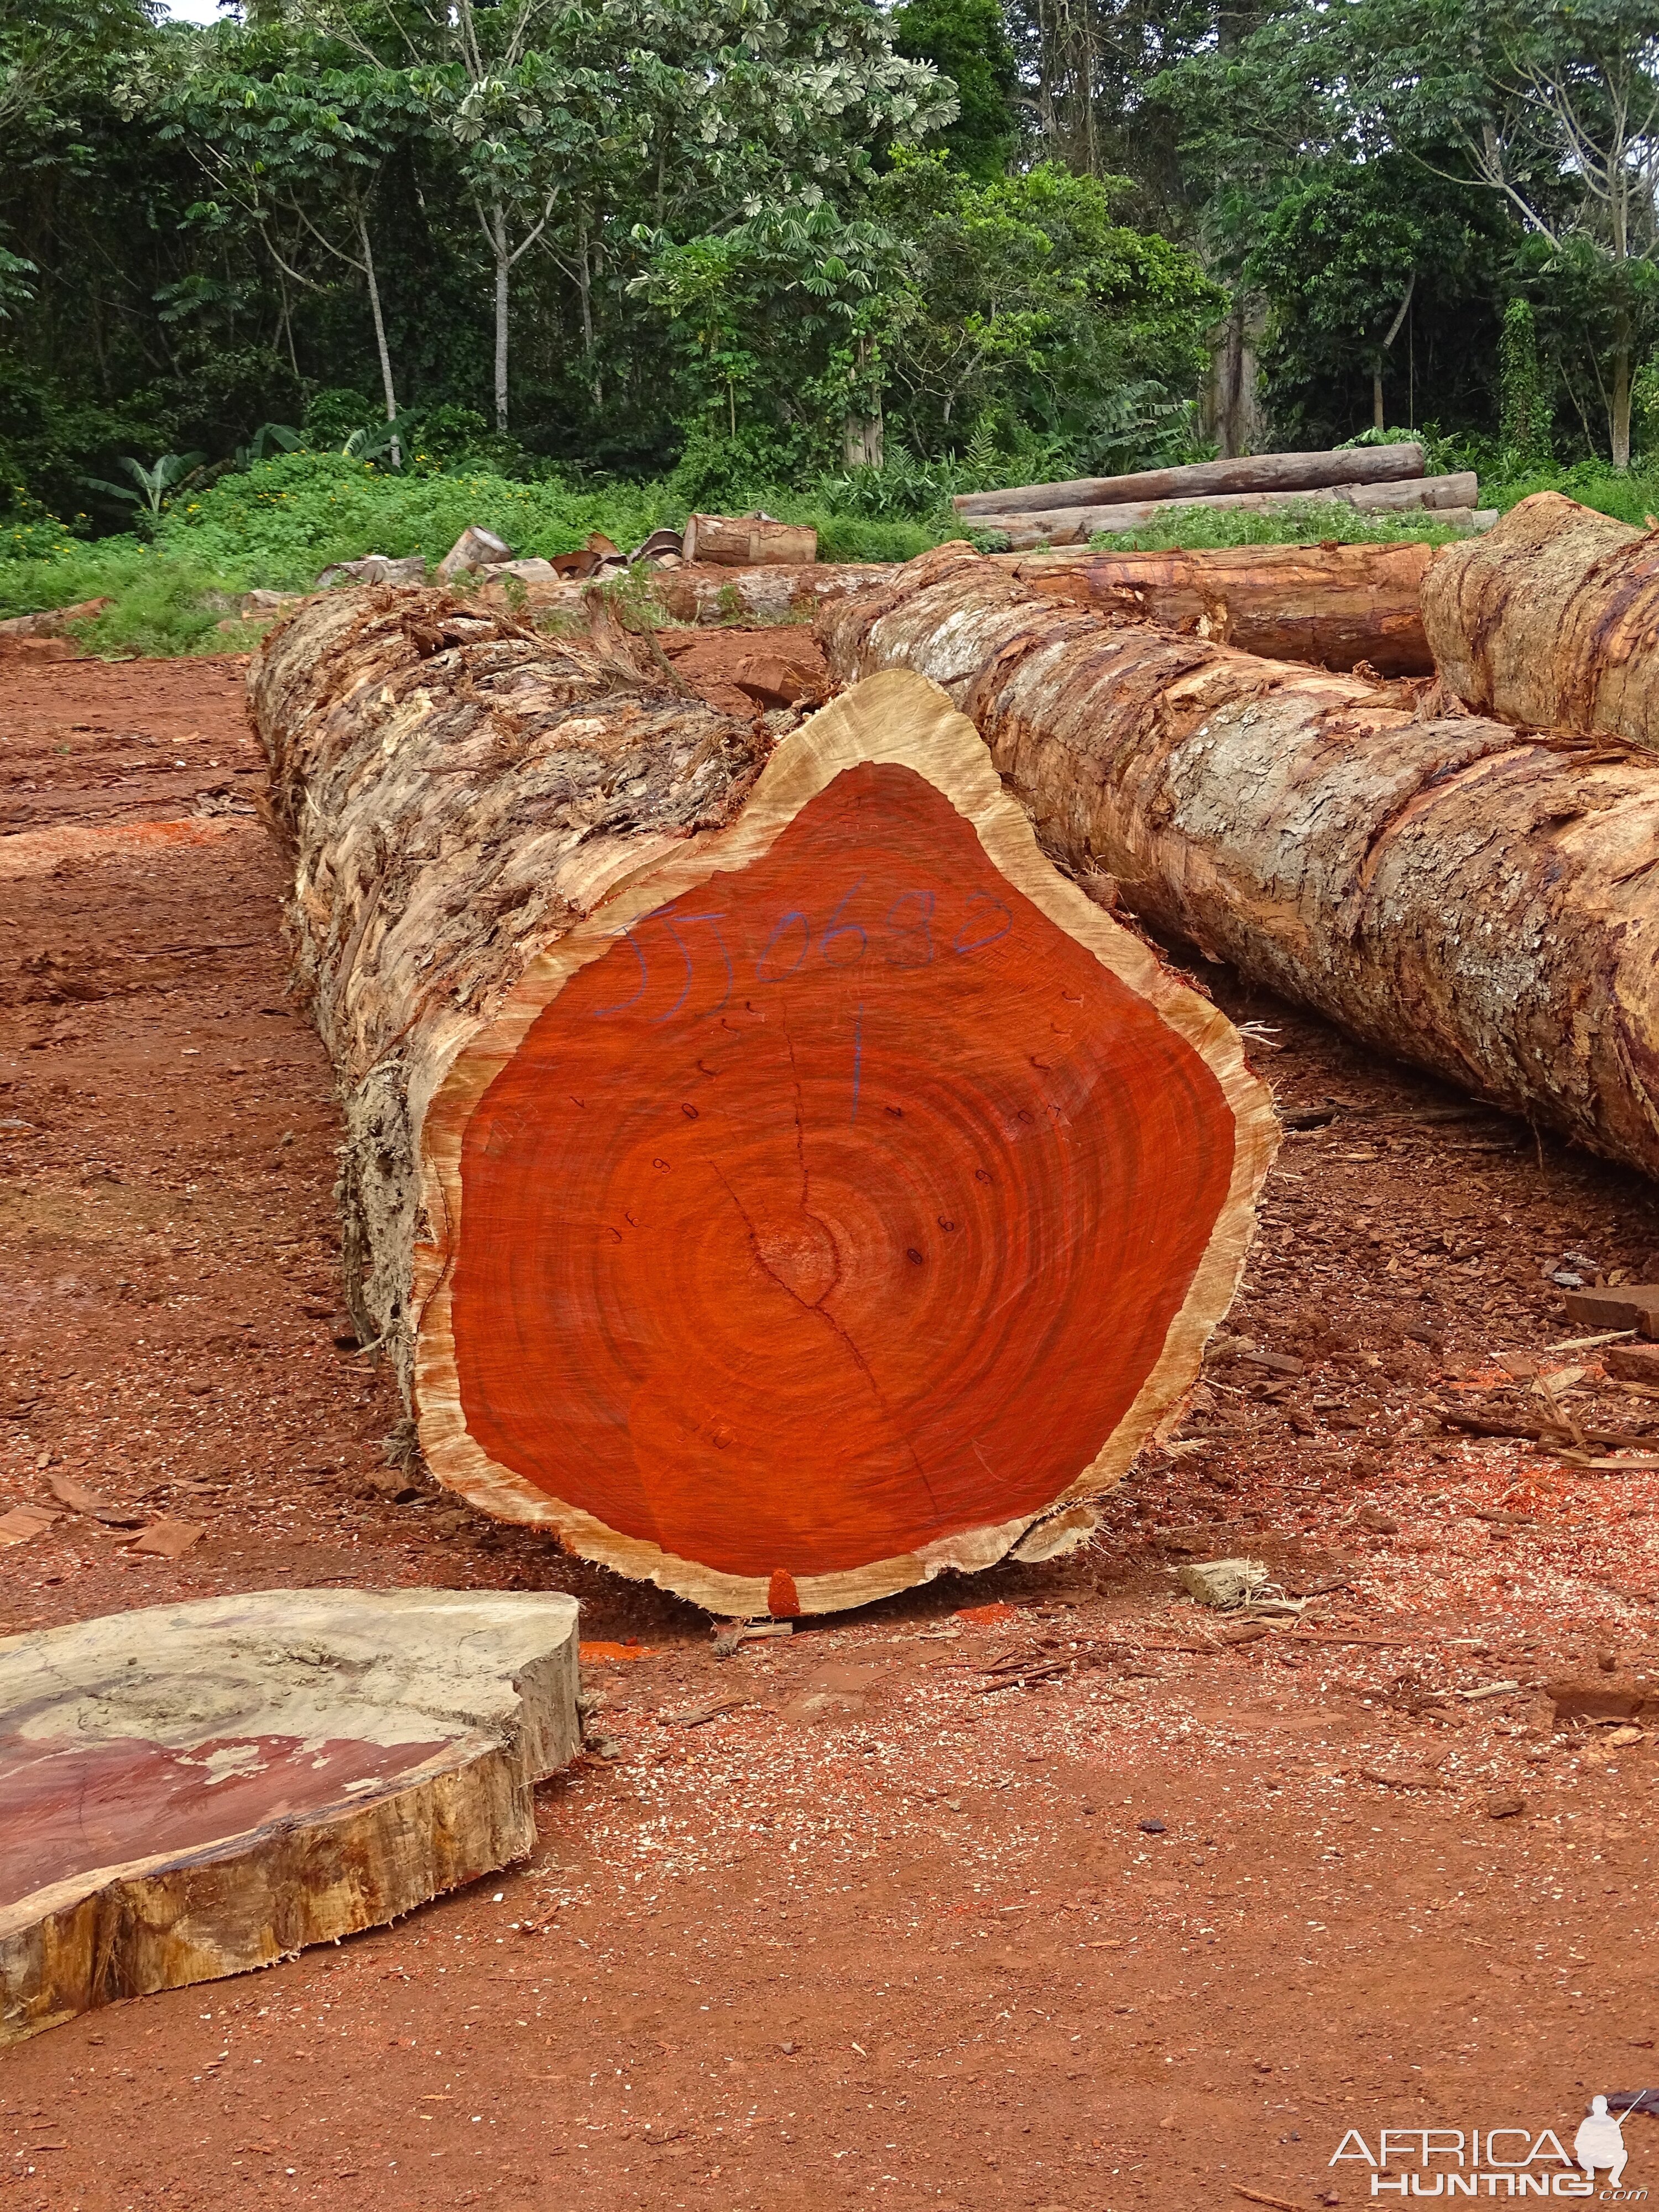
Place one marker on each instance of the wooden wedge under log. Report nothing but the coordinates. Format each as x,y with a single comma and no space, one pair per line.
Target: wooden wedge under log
1552,619
772,1176
1479,901
1280,472
1330,605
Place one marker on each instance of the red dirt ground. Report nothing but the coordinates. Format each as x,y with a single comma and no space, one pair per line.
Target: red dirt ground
879,1931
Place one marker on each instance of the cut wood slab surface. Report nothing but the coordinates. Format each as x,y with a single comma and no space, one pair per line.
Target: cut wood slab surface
1550,620
811,1190
196,1790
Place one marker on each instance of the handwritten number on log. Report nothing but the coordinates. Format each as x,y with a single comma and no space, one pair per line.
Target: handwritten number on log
788,922
908,922
924,902
836,928
662,916
962,943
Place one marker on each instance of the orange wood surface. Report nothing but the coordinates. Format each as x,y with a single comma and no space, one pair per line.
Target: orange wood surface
843,1205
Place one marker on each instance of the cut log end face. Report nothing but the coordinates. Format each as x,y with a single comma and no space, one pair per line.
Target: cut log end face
841,1208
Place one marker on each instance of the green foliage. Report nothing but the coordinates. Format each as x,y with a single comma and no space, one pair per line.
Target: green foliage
1522,416
967,42
150,487
1032,308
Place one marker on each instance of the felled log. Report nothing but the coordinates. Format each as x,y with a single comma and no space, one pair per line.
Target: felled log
706,595
771,1175
1477,901
1550,620
745,541
1330,605
1451,498
1281,472
195,1790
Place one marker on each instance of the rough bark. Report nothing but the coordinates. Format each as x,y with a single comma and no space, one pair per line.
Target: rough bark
1251,473
1453,497
745,541
196,1790
1331,605
705,595
1477,901
1550,620
777,1180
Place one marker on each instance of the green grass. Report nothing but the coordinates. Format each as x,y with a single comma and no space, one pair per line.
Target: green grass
278,524
1313,521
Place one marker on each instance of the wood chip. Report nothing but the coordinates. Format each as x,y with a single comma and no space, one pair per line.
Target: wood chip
24,1521
167,1540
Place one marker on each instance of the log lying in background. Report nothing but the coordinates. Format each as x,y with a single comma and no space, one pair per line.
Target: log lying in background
1450,499
777,593
780,1182
1552,620
196,1790
1276,472
1329,605
745,541
1478,902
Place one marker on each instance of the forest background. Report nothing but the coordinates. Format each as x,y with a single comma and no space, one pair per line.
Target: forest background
331,276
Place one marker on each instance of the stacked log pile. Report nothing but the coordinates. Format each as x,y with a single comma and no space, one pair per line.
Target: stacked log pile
768,1173
1451,891
1378,479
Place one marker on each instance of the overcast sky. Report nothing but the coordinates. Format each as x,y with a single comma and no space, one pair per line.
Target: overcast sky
192,11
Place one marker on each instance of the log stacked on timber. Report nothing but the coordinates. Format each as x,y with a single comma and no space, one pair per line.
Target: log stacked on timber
770,1174
1378,479
1552,620
1477,901
1334,605
1451,499
1293,473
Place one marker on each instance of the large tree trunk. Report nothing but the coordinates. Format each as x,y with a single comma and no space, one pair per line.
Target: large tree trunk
1257,472
1450,496
1449,891
1331,605
747,541
1550,620
772,1176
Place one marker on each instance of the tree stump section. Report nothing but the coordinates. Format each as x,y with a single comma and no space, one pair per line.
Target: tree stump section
834,1195
364,1750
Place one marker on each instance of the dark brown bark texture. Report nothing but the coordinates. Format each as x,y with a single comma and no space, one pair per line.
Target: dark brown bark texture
1282,472
1330,605
1477,901
1552,620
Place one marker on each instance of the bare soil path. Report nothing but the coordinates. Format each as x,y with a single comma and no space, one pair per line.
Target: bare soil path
843,1919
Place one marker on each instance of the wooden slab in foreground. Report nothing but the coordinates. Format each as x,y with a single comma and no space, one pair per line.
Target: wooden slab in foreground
192,1790
774,1177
